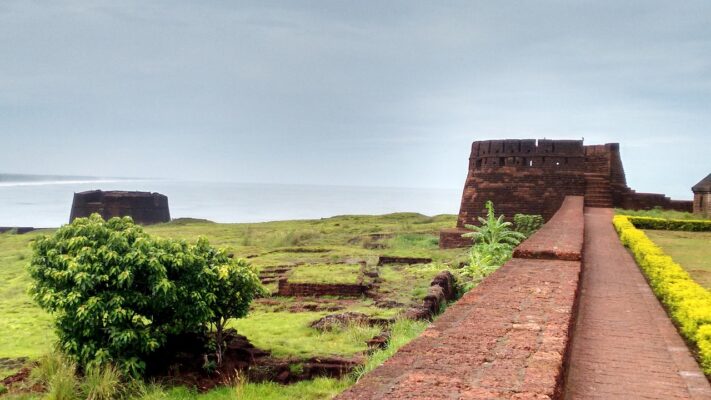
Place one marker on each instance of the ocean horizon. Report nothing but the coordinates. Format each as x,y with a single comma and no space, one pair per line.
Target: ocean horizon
47,204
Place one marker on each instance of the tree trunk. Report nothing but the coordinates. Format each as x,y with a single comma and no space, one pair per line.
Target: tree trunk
219,325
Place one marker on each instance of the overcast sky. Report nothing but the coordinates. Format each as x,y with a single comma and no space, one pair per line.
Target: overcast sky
380,93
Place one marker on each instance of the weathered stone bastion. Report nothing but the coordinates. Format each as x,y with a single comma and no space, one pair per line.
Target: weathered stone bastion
702,197
532,176
144,207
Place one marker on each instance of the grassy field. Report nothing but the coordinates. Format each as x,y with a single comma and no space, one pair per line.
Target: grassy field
348,274
692,250
277,324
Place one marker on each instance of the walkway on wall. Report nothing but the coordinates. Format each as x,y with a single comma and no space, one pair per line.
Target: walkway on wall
624,345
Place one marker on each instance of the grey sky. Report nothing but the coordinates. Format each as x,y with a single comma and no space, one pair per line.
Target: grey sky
349,92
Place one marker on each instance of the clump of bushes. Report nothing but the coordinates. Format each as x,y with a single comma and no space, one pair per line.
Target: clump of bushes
494,241
688,303
528,224
691,225
118,294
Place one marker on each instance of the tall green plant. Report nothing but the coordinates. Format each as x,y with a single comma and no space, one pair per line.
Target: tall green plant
494,230
494,241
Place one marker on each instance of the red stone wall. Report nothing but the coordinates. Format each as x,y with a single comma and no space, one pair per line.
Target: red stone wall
647,201
319,289
525,190
507,338
533,177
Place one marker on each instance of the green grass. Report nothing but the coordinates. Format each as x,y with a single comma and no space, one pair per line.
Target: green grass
324,273
403,331
692,250
658,213
27,330
407,283
289,334
317,389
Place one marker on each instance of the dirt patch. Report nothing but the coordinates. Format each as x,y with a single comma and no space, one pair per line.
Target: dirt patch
18,377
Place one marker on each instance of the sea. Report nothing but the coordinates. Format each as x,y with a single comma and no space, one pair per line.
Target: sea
46,204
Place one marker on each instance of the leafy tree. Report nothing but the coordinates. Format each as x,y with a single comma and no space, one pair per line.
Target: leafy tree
234,285
117,293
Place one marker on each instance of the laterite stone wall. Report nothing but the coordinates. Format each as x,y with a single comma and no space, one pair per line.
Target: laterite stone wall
534,176
508,338
286,288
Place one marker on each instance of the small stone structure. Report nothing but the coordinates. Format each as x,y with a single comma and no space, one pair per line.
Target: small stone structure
442,290
702,197
289,289
144,207
533,177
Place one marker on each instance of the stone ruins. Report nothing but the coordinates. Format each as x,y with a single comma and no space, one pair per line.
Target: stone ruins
144,207
702,197
532,176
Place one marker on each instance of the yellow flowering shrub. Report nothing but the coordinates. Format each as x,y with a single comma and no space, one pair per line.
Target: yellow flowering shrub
688,303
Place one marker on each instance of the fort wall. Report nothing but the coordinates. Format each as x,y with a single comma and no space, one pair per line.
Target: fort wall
507,338
531,176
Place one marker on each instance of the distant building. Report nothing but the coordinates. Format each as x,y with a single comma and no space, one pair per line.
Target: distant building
144,207
702,197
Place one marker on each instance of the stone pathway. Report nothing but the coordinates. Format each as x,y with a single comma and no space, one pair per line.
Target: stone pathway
624,345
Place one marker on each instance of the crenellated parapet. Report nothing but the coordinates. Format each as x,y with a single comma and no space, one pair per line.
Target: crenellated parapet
553,154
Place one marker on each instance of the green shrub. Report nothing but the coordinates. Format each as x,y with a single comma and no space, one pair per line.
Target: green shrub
494,230
117,294
528,223
494,241
687,302
691,225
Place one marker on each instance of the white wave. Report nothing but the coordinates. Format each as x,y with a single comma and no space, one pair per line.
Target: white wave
75,182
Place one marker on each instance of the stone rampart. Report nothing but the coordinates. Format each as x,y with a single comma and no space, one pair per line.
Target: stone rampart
534,176
508,338
561,238
144,207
